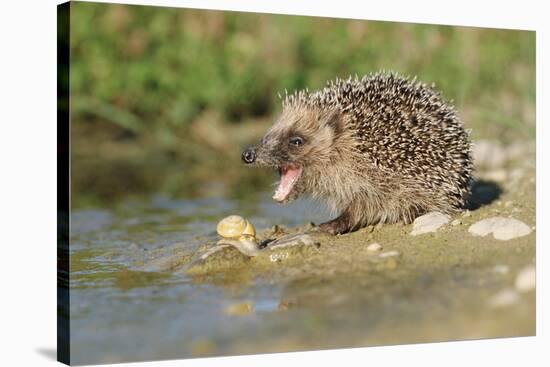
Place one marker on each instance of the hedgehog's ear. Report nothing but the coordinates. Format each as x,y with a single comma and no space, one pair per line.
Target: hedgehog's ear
333,119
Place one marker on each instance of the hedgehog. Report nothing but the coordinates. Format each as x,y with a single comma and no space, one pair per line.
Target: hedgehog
380,149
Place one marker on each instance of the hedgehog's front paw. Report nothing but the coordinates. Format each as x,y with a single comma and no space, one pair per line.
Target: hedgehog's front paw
336,226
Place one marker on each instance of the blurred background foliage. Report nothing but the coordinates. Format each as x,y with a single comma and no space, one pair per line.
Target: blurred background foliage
164,99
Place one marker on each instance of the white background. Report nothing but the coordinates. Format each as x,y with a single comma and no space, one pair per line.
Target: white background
28,182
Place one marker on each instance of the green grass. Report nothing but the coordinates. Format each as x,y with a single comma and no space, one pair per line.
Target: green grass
143,78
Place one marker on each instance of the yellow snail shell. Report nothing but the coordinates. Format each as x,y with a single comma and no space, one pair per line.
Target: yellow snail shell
239,233
234,227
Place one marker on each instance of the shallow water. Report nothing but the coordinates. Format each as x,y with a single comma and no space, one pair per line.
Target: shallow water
134,297
122,309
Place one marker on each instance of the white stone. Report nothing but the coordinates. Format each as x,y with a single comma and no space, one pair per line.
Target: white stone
374,247
430,222
505,297
526,279
501,228
501,269
456,222
389,254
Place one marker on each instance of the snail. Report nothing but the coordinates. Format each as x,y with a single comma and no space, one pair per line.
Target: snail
240,233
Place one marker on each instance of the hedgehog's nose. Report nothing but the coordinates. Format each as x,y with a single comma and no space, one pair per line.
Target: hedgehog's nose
249,155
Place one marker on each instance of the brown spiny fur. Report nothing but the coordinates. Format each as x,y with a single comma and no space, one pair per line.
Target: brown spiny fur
380,149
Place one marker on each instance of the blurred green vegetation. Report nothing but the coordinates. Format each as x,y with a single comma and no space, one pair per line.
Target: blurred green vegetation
156,88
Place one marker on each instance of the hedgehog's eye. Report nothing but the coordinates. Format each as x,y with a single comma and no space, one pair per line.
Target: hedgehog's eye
296,141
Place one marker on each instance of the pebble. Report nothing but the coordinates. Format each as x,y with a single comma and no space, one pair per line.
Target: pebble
501,269
502,228
526,279
389,254
239,309
278,256
374,247
505,297
466,213
456,222
430,222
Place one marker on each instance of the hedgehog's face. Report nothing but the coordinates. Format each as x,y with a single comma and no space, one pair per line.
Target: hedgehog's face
298,146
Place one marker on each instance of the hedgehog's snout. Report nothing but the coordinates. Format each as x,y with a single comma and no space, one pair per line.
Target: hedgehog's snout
249,155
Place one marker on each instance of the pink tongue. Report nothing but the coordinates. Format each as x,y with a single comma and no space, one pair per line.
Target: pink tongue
288,178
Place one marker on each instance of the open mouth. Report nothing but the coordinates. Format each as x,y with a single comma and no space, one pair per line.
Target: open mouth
289,176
